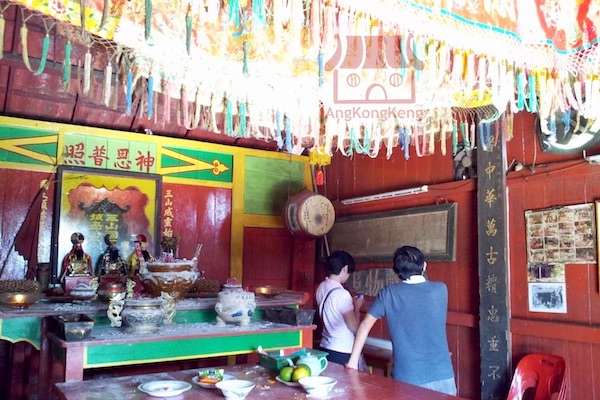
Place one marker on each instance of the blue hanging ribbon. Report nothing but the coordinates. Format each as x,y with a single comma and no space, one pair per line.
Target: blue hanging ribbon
288,135
278,130
259,19
234,12
150,95
129,94
401,138
321,68
407,133
520,90
481,137
352,141
533,106
488,134
566,119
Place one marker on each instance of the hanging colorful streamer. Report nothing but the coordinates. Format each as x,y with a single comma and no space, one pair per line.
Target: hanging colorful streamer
148,19
188,30
66,68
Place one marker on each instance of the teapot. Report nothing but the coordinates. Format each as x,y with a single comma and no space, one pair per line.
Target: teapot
317,364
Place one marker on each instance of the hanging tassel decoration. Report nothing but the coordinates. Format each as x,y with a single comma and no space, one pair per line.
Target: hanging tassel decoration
321,68
87,72
259,19
185,107
288,134
148,19
278,130
482,137
66,69
521,89
243,131
106,89
188,30
166,92
45,47
229,119
454,138
533,108
407,133
129,92
150,95
245,63
319,179
2,24
234,12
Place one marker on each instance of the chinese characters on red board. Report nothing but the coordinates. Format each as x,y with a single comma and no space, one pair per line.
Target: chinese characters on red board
168,213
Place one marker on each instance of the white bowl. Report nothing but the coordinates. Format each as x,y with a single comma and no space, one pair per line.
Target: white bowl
317,385
235,388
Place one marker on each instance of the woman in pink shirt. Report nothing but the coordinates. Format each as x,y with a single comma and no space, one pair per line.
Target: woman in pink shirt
340,313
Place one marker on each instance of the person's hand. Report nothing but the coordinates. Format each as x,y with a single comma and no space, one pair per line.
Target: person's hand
358,301
351,365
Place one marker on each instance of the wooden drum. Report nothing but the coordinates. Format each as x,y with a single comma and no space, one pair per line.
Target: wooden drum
309,215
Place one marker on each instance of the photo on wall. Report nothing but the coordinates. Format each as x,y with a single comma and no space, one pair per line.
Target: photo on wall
547,297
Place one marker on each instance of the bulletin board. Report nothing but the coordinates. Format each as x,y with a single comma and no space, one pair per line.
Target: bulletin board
97,202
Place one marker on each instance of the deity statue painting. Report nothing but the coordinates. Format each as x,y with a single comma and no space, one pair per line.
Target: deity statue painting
140,254
111,263
77,262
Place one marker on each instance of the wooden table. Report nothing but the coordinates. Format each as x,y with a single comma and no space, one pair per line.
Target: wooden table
351,384
109,347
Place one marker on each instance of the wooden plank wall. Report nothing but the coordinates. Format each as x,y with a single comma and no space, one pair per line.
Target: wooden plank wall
547,180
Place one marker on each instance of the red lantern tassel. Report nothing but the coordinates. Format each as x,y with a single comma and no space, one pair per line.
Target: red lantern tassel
319,177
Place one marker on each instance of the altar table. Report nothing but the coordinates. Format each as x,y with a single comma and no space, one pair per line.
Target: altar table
351,384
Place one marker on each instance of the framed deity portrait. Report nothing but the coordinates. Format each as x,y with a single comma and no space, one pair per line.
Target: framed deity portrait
97,202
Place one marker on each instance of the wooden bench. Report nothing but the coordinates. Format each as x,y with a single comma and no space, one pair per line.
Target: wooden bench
378,354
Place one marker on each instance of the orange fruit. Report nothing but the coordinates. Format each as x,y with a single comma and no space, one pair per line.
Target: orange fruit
301,371
285,373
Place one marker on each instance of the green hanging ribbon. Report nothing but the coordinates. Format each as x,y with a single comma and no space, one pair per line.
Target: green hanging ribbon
148,20
66,70
243,127
229,119
45,47
188,29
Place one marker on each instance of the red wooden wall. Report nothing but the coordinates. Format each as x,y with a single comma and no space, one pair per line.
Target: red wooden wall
547,180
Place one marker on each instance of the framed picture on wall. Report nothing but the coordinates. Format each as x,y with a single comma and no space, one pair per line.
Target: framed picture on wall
97,202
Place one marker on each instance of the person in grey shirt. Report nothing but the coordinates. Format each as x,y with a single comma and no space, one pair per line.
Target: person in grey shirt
416,311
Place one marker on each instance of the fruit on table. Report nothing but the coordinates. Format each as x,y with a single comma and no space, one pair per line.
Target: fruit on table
286,373
301,371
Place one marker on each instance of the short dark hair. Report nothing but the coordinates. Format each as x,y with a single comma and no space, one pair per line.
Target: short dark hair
408,261
338,260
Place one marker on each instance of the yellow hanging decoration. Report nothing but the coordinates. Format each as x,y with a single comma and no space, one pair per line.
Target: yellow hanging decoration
320,158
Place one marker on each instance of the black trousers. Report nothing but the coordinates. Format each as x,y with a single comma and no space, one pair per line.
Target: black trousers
336,356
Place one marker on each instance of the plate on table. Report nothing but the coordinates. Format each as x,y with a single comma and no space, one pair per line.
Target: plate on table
164,388
278,378
205,385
